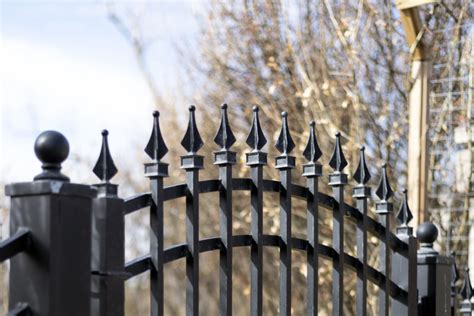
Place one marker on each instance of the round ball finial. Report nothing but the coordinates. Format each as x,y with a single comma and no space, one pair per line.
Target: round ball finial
284,114
224,106
192,108
338,134
427,233
51,148
312,123
255,108
156,113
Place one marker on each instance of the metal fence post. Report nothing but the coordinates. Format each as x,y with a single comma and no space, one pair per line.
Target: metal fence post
107,253
466,295
53,275
434,274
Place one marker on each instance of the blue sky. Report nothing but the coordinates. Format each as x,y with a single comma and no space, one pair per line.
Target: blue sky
66,67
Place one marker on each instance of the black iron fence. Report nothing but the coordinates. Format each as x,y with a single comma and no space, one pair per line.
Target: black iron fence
66,250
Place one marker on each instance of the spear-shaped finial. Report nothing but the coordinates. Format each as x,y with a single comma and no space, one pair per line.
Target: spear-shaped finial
256,138
404,215
284,142
384,190
192,141
466,288
338,161
105,168
362,174
156,147
312,152
224,137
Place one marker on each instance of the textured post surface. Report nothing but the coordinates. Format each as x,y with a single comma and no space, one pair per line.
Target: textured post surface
337,180
256,159
53,275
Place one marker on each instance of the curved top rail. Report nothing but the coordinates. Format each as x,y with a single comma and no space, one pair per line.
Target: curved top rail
176,252
244,184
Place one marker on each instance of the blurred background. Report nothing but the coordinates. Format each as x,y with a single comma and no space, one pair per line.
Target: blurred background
82,66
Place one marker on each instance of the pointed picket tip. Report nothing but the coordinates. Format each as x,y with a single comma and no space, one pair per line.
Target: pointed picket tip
284,142
384,190
466,288
362,173
338,162
105,168
312,152
224,137
256,139
156,147
192,141
404,215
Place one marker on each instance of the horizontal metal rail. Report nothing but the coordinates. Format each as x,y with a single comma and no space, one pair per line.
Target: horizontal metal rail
16,243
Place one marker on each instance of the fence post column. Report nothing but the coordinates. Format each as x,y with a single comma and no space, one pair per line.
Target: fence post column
434,274
108,240
53,275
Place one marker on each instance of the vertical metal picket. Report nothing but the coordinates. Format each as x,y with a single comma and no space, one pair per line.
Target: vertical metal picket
312,171
108,240
285,163
454,279
384,208
404,265
192,162
337,180
256,159
225,158
156,171
361,192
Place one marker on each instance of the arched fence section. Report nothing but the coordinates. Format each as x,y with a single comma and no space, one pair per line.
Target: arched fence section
66,250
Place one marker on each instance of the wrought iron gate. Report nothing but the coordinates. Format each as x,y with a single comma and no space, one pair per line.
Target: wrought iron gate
67,245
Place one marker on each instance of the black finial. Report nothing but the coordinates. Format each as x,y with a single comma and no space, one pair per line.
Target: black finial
105,168
224,137
404,215
51,148
384,190
284,142
156,147
466,288
192,141
338,161
312,151
362,174
256,138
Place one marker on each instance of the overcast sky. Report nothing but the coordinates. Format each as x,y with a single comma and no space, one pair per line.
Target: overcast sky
64,66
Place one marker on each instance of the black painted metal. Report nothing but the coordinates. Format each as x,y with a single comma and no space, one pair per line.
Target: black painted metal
75,233
256,159
192,162
225,158
384,210
108,240
361,193
312,171
337,180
